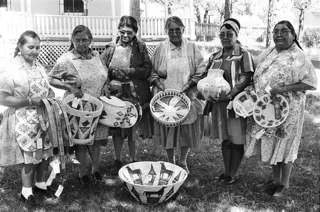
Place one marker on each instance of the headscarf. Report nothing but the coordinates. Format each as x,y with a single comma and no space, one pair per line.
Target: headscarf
290,26
233,24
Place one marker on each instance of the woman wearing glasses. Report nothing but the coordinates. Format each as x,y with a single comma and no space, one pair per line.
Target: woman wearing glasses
178,64
285,69
228,127
129,68
80,71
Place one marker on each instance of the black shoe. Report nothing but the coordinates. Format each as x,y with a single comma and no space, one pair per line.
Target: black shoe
229,180
219,178
279,192
46,193
30,201
116,167
85,180
97,176
267,186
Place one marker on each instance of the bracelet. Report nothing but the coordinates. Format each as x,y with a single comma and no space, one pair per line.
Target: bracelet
30,101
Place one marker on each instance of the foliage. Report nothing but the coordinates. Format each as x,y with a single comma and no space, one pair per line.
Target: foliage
311,37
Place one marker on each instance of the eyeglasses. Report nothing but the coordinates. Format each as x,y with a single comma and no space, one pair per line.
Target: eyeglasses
282,32
84,41
223,35
129,33
177,30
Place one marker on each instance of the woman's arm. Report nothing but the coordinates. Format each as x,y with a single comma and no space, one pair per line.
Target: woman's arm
8,100
57,83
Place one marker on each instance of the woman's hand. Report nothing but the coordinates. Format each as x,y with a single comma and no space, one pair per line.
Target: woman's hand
278,89
160,86
120,75
36,101
77,92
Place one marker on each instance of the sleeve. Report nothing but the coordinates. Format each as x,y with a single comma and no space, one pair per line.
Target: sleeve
305,71
198,63
6,82
155,64
143,71
63,70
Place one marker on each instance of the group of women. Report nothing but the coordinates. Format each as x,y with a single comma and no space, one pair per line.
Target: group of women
125,70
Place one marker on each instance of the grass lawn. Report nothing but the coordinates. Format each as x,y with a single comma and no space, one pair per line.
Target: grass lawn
198,193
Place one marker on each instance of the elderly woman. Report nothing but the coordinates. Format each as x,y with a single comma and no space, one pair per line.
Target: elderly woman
228,127
285,69
23,83
80,71
178,64
129,68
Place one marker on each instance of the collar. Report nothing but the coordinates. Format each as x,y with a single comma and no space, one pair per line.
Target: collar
78,56
119,43
236,51
20,63
173,47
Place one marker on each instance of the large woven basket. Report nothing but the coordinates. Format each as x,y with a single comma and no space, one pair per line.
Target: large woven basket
170,107
84,118
114,111
151,182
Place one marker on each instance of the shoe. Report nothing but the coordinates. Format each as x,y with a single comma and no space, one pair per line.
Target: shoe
229,180
97,176
219,178
279,192
116,167
85,180
30,200
267,186
46,193
185,167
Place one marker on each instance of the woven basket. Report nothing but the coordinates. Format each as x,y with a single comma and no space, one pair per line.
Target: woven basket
114,110
132,116
83,119
170,107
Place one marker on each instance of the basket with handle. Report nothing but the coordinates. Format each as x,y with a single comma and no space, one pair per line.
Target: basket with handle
83,117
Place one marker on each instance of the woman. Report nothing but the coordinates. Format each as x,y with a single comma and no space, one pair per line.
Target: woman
80,71
178,64
23,83
129,68
227,126
287,70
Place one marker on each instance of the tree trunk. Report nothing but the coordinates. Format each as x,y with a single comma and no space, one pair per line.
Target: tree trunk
301,24
198,14
135,12
205,16
271,22
227,7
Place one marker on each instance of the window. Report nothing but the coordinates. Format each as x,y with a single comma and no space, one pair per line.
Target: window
73,6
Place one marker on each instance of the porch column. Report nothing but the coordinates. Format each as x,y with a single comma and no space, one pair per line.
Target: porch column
61,7
114,21
192,23
29,6
146,6
29,21
166,8
22,5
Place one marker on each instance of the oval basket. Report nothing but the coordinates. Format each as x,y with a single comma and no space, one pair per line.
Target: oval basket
133,115
84,118
114,110
170,107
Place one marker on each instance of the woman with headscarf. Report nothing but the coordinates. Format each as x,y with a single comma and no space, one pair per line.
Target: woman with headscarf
23,85
80,71
129,68
228,127
178,64
285,69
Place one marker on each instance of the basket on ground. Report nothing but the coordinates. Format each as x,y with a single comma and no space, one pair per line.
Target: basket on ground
170,107
151,182
114,110
83,117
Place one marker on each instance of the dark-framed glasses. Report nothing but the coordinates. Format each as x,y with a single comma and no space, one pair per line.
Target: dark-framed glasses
84,41
228,35
123,32
176,30
282,32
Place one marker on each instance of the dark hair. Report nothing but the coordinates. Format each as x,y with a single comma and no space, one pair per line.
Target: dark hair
23,39
174,19
228,26
78,29
290,26
128,21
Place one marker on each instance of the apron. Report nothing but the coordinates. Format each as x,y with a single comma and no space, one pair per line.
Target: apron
27,125
178,74
121,59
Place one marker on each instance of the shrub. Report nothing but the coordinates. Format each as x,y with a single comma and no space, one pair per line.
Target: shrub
311,37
